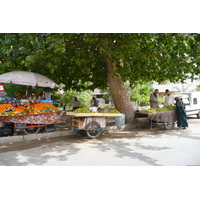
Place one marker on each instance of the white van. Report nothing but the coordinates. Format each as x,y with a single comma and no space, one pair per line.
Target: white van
191,101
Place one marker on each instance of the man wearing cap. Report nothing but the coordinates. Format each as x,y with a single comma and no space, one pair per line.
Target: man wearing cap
169,98
75,103
154,99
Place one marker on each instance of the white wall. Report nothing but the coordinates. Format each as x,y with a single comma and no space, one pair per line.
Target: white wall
189,86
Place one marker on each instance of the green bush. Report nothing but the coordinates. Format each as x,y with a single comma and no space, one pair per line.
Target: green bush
66,99
141,93
144,101
85,98
161,100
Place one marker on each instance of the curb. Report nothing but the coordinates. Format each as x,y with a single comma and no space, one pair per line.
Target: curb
38,136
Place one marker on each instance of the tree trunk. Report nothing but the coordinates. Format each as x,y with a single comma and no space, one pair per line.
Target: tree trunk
119,93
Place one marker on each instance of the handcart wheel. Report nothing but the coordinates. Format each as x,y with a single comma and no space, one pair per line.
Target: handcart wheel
168,125
31,130
93,130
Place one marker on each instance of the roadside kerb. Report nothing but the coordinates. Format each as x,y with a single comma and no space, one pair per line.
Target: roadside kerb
19,138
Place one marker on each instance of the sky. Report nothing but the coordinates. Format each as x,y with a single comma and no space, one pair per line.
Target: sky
110,16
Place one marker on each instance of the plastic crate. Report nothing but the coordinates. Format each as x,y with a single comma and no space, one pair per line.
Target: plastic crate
7,129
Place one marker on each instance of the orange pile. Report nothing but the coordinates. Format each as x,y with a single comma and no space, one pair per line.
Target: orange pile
4,106
42,106
34,108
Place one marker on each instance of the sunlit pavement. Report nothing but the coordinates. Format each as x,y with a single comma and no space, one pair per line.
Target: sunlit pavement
156,147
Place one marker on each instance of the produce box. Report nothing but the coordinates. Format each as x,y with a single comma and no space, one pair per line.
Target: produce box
80,123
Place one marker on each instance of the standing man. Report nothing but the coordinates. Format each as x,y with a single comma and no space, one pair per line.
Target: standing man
154,99
169,98
75,103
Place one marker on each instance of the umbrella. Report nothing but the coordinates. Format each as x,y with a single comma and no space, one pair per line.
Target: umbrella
27,78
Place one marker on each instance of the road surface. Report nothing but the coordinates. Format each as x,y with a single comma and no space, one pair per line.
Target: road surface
157,147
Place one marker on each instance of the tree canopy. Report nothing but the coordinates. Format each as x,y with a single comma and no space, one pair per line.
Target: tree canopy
73,59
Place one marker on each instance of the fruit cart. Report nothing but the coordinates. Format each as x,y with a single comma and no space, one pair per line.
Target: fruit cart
32,117
29,118
167,118
91,123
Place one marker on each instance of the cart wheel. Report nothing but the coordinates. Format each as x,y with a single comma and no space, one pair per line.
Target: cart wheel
168,125
31,130
93,130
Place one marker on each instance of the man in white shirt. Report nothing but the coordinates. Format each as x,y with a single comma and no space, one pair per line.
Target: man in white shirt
169,98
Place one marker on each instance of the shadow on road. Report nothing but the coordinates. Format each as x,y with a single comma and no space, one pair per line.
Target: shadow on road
62,148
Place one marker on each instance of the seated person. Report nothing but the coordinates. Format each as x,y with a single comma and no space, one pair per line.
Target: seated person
94,103
75,103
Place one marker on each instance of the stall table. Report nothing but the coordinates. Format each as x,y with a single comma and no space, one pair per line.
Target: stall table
168,118
31,123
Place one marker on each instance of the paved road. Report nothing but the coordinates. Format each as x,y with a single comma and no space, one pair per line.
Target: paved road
155,147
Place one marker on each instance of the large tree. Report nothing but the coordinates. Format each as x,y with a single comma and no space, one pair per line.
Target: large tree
106,60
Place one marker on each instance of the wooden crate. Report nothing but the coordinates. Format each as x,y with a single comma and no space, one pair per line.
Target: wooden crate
80,123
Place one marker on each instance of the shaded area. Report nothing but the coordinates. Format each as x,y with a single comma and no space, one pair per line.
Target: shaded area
123,149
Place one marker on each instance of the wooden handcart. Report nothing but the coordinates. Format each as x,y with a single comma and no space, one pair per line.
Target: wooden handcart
91,123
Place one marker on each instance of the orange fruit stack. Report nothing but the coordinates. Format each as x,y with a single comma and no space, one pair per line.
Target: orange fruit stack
42,106
5,106
35,107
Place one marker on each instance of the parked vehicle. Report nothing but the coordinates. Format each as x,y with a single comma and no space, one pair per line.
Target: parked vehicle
191,101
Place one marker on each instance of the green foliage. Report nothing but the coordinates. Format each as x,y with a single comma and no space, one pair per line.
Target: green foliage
67,98
85,97
161,100
11,89
141,93
107,97
198,88
70,57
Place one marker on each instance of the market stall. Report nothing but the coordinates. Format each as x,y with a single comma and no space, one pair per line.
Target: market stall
28,114
28,117
168,118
